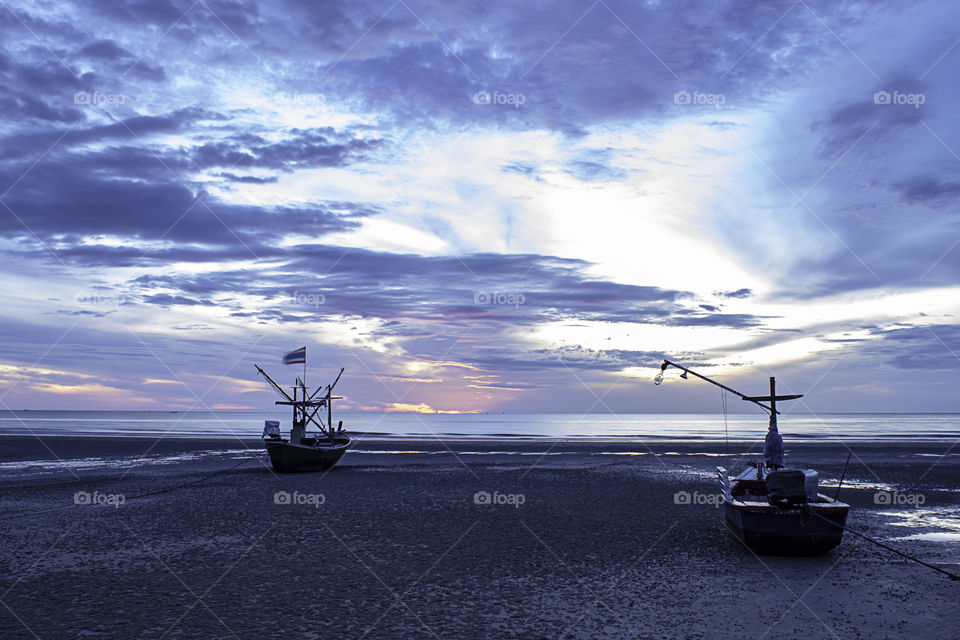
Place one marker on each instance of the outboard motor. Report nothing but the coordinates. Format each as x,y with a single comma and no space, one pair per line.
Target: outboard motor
271,429
786,488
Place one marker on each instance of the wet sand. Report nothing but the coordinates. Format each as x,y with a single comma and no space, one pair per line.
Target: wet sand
494,539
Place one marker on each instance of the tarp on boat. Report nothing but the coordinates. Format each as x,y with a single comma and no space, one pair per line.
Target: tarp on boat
786,488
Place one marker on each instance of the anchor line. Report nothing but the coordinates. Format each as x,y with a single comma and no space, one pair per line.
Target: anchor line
952,576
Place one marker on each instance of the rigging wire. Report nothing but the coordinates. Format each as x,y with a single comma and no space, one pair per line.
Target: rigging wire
952,576
273,386
723,403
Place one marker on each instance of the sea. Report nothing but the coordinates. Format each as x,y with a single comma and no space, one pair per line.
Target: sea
875,427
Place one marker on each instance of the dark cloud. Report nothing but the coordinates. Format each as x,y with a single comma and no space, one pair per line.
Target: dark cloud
738,320
876,114
113,63
928,191
933,347
40,90
166,300
135,130
303,149
232,177
157,12
739,293
573,65
105,49
105,180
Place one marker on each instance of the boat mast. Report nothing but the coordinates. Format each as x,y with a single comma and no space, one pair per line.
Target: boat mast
773,403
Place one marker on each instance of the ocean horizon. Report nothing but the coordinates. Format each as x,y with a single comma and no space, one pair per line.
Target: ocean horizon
236,423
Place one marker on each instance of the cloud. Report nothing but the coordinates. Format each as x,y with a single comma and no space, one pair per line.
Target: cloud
302,149
374,180
933,347
927,191
738,294
232,177
166,300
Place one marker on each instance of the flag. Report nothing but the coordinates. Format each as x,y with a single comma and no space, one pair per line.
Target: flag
298,356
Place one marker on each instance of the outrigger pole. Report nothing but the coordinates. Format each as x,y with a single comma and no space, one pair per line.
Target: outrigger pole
273,384
757,400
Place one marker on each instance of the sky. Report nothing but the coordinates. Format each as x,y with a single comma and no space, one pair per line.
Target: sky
503,207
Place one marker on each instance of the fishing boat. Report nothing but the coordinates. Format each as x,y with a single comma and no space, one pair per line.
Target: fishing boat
304,451
770,508
771,521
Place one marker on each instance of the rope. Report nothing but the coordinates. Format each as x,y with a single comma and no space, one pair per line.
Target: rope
139,495
726,434
952,576
843,474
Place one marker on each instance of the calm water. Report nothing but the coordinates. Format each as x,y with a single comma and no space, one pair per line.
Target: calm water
395,425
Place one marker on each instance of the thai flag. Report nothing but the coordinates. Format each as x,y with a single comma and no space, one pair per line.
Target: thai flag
298,356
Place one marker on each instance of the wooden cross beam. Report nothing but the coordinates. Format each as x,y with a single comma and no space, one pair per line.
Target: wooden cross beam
772,399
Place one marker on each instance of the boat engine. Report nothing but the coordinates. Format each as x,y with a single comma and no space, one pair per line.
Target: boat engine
786,488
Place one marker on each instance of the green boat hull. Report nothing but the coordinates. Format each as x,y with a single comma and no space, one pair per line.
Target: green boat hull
287,458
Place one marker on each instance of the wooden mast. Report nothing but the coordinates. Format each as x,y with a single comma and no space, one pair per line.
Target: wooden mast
330,410
773,403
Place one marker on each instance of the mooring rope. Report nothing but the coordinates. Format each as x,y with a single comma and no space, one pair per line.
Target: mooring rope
952,576
726,434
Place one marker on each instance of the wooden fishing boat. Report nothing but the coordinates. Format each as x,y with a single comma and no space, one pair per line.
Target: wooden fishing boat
805,526
302,451
310,454
773,509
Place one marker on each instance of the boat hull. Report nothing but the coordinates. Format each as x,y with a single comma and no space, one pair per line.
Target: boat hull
289,458
810,531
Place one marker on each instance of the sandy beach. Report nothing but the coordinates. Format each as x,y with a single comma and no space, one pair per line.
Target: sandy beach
491,539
